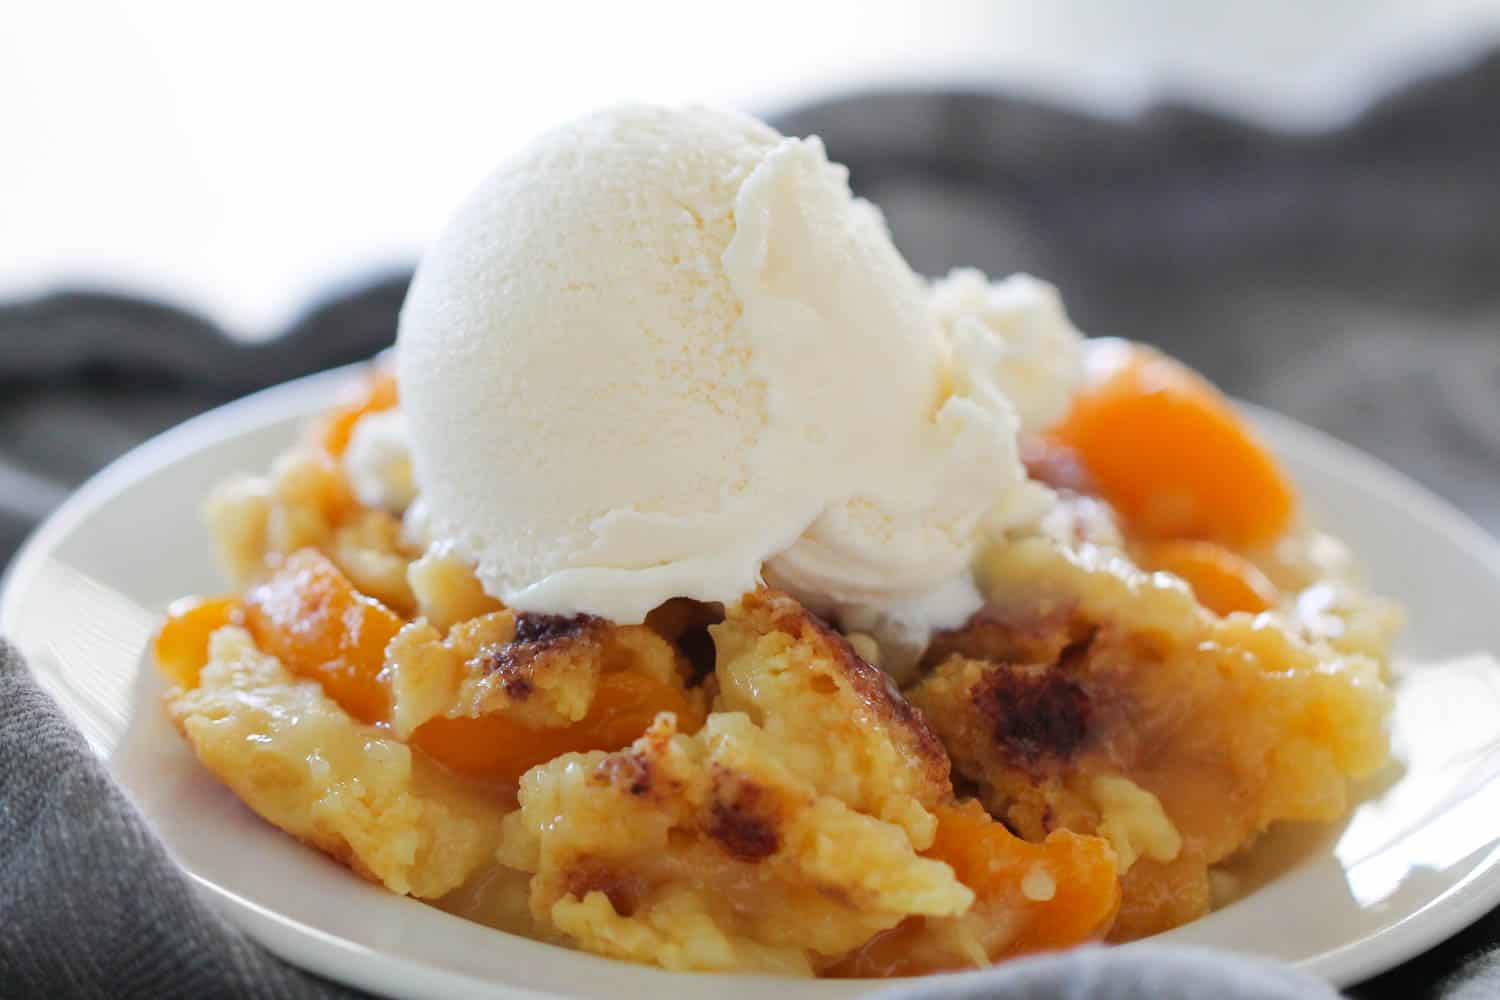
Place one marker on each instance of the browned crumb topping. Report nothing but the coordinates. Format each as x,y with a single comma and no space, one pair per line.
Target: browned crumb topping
1039,717
623,889
1004,635
540,631
628,770
512,664
744,818
768,612
1220,726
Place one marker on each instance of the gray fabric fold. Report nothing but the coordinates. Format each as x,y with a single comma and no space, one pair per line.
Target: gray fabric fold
1146,973
90,903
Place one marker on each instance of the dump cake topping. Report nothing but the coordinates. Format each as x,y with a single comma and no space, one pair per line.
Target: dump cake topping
728,630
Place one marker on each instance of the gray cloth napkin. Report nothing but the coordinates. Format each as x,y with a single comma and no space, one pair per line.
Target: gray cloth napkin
1347,279
85,376
90,904
1150,974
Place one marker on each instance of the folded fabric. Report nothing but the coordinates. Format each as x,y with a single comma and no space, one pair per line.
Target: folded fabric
85,376
1143,972
90,904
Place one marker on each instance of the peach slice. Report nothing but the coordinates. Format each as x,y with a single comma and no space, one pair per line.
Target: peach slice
1222,581
181,644
1076,876
1054,894
497,748
378,393
309,616
1170,454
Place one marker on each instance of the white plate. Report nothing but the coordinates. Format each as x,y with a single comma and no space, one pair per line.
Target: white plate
1417,861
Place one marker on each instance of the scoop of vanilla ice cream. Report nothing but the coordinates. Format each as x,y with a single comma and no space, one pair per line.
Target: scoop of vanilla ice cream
377,462
659,350
1015,335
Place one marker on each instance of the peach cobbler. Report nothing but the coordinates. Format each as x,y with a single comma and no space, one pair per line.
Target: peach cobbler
743,787
1016,641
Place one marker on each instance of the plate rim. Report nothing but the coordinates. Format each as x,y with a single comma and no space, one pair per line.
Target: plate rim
310,948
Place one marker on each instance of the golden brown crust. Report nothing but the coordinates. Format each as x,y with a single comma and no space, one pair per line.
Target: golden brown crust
1128,712
799,821
744,816
1038,715
538,670
1013,634
717,831
769,611
623,889
349,789
538,643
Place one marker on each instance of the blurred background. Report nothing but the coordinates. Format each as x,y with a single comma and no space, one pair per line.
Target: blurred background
1208,176
239,158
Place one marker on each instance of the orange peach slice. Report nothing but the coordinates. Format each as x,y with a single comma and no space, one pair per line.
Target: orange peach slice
1061,892
1168,452
378,393
181,644
496,748
1222,581
1065,889
309,616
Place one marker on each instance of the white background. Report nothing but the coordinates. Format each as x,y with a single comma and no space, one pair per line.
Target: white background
239,157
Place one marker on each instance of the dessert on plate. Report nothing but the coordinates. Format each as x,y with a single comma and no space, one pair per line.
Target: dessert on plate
699,586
